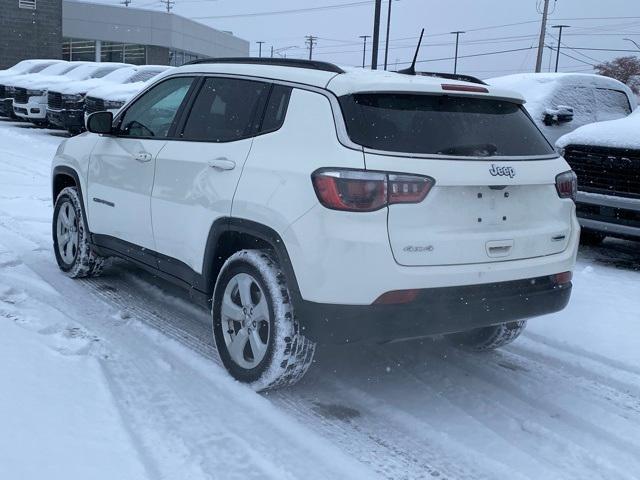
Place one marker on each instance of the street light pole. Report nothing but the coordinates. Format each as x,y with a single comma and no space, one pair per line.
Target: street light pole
386,46
364,48
455,63
376,35
559,27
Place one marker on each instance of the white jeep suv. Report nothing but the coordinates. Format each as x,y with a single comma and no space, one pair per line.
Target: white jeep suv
306,204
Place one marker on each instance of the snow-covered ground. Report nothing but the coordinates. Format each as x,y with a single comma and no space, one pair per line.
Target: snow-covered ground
116,377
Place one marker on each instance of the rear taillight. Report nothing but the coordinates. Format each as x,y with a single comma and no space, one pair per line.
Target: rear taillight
363,191
567,185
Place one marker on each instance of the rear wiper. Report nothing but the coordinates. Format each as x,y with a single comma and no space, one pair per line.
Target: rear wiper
473,150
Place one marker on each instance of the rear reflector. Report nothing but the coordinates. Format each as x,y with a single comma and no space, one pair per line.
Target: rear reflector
562,278
397,297
463,88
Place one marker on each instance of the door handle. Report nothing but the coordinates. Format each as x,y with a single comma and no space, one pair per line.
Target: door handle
222,163
143,156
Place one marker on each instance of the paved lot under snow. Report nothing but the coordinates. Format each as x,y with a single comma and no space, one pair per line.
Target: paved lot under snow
116,377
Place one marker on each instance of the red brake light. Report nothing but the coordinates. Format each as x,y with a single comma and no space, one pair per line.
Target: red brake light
463,88
567,185
363,191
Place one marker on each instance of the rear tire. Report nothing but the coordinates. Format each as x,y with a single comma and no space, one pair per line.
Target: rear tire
488,338
71,245
255,330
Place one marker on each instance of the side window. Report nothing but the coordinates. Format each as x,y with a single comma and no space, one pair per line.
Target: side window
581,99
612,104
153,113
276,109
225,110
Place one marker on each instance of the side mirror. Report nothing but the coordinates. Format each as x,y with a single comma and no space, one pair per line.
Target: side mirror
100,122
558,115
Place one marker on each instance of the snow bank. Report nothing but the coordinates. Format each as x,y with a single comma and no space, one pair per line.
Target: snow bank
621,133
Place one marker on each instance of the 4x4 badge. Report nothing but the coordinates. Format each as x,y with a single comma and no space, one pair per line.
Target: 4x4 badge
498,171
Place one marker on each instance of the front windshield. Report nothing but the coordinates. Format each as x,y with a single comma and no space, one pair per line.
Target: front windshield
82,72
121,75
58,68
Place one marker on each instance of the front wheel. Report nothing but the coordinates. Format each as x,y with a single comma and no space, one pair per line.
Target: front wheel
256,333
71,245
488,338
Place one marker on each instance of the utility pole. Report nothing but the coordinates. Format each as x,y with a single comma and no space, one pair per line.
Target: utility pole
376,35
364,48
386,46
125,3
455,62
260,48
311,41
169,4
543,30
271,51
559,27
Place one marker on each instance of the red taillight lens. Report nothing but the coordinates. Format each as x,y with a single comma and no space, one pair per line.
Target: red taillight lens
397,297
567,185
562,278
363,191
408,188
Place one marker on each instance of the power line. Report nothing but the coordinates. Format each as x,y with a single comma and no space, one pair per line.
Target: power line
287,12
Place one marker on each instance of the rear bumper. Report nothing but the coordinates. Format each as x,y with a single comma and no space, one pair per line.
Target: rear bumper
68,119
610,215
435,311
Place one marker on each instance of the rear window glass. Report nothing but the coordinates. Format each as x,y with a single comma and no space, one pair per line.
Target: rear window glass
441,125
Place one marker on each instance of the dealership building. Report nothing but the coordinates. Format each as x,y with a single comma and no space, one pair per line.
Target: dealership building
74,30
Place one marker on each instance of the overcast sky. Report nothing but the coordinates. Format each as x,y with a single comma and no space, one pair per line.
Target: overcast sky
338,30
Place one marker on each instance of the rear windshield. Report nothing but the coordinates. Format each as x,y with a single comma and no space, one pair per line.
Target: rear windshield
442,125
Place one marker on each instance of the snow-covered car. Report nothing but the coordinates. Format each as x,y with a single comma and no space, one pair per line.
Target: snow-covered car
37,98
308,203
562,102
65,102
112,97
22,68
606,159
27,101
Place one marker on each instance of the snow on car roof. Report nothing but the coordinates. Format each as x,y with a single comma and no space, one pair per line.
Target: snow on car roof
621,133
539,88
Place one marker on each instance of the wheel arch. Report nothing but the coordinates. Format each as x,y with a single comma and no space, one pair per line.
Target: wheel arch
63,177
229,235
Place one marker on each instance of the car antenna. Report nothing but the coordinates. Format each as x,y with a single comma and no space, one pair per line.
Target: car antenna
412,69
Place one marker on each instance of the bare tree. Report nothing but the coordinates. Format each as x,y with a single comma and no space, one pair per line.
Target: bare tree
625,69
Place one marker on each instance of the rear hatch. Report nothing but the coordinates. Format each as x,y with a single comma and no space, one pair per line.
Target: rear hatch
494,197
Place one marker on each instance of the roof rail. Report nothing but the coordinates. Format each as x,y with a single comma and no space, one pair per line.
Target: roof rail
280,62
452,76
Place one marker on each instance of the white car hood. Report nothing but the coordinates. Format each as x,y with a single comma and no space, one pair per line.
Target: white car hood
120,93
81,86
621,133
